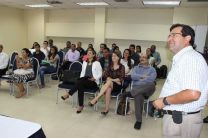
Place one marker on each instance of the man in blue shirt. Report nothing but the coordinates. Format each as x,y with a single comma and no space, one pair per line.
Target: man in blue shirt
156,55
143,85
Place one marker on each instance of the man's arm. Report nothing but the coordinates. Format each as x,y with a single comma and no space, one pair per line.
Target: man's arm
185,96
135,75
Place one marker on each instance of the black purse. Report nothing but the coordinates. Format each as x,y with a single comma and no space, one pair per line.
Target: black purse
71,76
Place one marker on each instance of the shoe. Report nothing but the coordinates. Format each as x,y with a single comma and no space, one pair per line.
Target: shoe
64,97
104,113
137,125
205,120
90,104
80,109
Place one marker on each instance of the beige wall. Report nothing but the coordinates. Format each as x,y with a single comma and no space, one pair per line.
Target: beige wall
35,26
12,29
122,26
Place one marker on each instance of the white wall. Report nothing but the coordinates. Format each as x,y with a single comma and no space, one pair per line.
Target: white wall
12,29
35,25
122,26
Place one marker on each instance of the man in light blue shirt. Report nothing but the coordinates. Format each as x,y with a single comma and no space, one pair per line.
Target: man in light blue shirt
143,85
156,55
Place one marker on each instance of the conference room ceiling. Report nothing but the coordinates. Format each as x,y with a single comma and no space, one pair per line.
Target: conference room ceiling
112,3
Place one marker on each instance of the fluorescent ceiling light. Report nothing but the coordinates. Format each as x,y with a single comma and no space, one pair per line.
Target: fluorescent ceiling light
166,3
39,5
92,3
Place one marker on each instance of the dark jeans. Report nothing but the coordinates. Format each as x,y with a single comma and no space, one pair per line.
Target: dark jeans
81,85
44,70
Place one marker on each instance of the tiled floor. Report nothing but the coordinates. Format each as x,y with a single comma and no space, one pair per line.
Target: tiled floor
61,121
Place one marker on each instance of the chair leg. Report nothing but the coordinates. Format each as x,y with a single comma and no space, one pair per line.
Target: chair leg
147,108
27,88
116,105
126,105
57,96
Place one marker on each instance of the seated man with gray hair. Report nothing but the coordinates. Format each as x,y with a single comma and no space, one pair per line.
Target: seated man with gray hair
143,85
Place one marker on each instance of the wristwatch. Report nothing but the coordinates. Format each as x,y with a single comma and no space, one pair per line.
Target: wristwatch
165,102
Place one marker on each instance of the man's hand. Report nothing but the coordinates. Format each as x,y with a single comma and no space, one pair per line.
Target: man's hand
158,104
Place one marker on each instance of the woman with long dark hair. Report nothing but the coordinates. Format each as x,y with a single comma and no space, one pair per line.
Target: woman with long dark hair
114,77
89,78
128,64
51,65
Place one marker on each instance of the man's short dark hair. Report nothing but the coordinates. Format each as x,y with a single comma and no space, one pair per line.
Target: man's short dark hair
132,45
186,30
45,42
106,48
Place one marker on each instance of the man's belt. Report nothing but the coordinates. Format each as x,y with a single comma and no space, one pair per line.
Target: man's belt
183,113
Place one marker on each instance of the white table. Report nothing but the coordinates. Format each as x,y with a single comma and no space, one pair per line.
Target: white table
16,128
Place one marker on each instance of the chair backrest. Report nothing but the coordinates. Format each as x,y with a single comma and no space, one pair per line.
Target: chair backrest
12,60
36,67
61,57
76,66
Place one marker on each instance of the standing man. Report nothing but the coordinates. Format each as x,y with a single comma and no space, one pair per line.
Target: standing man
185,91
4,60
156,55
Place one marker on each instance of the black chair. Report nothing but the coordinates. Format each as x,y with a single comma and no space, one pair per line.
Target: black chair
67,86
10,68
12,59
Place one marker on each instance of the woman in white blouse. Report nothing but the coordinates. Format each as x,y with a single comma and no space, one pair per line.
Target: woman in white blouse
128,64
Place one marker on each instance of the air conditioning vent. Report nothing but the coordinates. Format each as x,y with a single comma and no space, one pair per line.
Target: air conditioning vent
121,0
54,2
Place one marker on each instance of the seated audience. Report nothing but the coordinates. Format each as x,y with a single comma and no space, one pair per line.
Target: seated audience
116,49
23,72
128,64
90,45
50,43
134,55
71,56
112,47
143,78
105,61
114,77
4,60
151,58
32,49
138,50
38,54
45,48
89,79
100,53
81,50
156,55
68,46
50,65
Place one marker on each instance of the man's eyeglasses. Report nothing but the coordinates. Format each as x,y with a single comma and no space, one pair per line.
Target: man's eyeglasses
174,34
